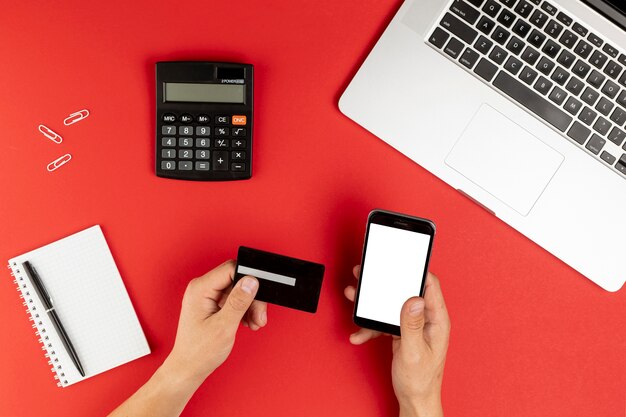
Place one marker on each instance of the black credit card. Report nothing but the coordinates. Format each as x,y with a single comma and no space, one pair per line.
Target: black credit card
285,281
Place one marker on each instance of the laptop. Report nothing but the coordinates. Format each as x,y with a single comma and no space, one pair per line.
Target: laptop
519,105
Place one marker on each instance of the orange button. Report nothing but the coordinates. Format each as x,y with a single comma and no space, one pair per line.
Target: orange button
239,120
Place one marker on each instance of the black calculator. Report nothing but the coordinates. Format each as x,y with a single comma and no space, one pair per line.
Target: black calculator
204,120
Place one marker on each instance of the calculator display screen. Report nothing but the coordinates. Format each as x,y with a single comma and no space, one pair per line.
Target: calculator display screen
205,93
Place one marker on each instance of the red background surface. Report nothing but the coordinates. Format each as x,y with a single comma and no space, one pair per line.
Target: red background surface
530,336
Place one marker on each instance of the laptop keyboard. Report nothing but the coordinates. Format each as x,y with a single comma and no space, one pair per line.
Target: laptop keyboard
537,55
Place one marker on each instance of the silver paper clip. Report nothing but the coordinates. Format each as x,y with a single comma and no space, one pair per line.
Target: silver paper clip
50,134
76,117
59,162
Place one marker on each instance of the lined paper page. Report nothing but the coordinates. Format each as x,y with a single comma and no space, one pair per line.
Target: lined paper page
92,303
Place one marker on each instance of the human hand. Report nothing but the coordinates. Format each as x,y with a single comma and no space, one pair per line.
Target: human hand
419,355
210,314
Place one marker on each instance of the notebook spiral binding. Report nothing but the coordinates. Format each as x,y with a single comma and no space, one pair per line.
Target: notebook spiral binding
33,316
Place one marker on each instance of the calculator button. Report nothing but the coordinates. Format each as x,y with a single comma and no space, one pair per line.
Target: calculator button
237,155
168,153
239,131
186,118
222,131
185,154
168,165
169,118
239,120
203,118
201,154
220,161
239,143
184,165
220,143
222,120
185,130
202,143
202,166
168,141
237,166
203,131
168,130
185,142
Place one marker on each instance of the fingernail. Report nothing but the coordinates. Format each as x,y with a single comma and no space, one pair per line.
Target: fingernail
248,284
416,308
264,318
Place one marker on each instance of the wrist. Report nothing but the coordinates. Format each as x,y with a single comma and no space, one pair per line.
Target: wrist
425,407
174,372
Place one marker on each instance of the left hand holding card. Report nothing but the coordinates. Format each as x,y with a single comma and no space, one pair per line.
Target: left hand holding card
285,281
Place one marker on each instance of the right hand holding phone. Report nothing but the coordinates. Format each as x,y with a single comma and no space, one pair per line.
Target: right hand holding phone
419,355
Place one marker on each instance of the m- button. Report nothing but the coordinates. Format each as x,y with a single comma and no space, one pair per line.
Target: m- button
239,120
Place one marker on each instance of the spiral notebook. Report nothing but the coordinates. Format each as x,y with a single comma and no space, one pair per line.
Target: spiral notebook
90,298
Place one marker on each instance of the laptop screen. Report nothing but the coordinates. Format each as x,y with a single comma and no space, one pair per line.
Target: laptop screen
614,10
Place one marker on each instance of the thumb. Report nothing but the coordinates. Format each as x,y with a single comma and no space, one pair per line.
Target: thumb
239,300
412,323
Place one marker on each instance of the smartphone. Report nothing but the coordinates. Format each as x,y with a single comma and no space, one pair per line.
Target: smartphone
394,265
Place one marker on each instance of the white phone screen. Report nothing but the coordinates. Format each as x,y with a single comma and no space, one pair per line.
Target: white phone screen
392,272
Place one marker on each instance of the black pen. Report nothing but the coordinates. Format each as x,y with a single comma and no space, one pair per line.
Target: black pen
47,303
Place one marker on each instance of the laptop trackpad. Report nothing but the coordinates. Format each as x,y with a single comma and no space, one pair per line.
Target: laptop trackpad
504,159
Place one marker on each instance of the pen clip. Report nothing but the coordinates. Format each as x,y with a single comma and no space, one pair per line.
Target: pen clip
76,117
59,162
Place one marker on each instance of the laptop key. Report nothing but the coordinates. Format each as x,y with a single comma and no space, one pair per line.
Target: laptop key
543,85
465,11
579,133
610,50
506,18
500,35
590,96
612,69
536,38
581,68
583,49
530,55
508,3
553,28
563,18
595,39
513,65
622,79
566,58
539,18
568,38
572,106
587,116
574,86
580,29
619,116
486,69
622,59
523,8
485,25
598,59
610,89
557,95
469,57
617,136
530,100
454,47
515,45
559,76
602,126
548,8
545,65
595,79
621,99
521,28
492,8
528,75
595,144
498,55
483,45
608,158
438,37
476,3
604,106
551,48
621,164
458,28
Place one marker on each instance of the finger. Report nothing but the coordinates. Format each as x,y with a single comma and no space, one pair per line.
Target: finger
363,335
257,314
436,311
412,324
356,271
350,293
239,300
217,280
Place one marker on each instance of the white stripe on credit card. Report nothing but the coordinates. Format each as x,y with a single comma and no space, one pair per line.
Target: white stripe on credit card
270,276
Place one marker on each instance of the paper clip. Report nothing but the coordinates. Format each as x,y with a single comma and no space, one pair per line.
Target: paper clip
50,134
76,117
59,162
